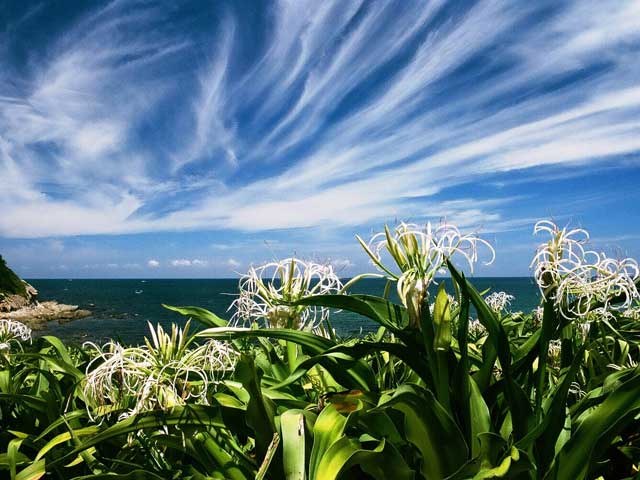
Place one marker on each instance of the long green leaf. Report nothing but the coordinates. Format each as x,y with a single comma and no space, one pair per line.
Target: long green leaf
293,444
593,435
429,427
388,314
202,416
346,373
522,415
327,430
203,315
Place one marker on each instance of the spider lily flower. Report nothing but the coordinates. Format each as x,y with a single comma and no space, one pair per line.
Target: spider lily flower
598,282
560,255
498,301
632,312
581,277
555,348
267,291
13,332
159,375
419,253
630,363
537,315
476,329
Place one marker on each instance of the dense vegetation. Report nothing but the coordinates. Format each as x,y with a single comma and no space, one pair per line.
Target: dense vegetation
452,385
10,283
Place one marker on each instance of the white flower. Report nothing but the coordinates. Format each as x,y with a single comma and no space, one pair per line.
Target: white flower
161,374
581,277
560,256
498,301
13,332
267,291
419,253
555,348
598,282
476,329
537,315
632,312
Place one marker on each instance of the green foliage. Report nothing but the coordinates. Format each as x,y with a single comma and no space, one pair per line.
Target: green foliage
438,396
10,283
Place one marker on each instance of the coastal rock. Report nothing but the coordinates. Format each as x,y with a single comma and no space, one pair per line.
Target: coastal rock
15,293
37,315
18,301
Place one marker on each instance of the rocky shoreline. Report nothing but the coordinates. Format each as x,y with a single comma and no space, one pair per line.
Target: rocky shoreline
38,314
18,302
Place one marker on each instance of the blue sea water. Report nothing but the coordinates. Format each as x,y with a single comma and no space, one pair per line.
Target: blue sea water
121,308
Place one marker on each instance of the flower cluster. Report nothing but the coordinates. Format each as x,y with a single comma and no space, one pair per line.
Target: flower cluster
555,349
267,292
476,328
163,373
12,332
577,278
632,312
537,315
420,253
498,301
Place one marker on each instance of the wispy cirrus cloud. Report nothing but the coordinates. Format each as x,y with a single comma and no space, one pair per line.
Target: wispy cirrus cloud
140,119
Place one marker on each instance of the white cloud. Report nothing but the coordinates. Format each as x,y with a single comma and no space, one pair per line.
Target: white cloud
233,263
384,156
184,262
153,263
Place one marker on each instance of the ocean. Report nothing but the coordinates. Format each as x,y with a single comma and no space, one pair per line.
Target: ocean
122,308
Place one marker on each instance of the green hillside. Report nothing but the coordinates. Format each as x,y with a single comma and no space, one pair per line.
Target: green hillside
10,283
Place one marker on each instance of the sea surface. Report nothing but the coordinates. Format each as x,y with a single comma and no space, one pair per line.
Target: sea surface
122,308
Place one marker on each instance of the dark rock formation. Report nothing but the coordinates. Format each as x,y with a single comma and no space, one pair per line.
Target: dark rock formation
14,292
37,315
18,302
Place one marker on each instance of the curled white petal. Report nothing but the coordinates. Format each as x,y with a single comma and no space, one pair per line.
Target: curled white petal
498,301
420,252
163,373
265,294
13,332
579,276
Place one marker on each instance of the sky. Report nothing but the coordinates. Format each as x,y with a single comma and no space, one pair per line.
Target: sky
193,139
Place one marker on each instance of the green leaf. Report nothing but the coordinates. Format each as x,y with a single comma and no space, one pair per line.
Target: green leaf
202,416
546,433
65,437
293,444
522,414
312,343
479,415
207,318
137,474
327,430
596,429
388,314
442,321
429,427
260,410
381,463
347,373
33,472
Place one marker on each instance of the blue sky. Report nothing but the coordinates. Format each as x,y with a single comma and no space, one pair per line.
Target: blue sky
145,139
